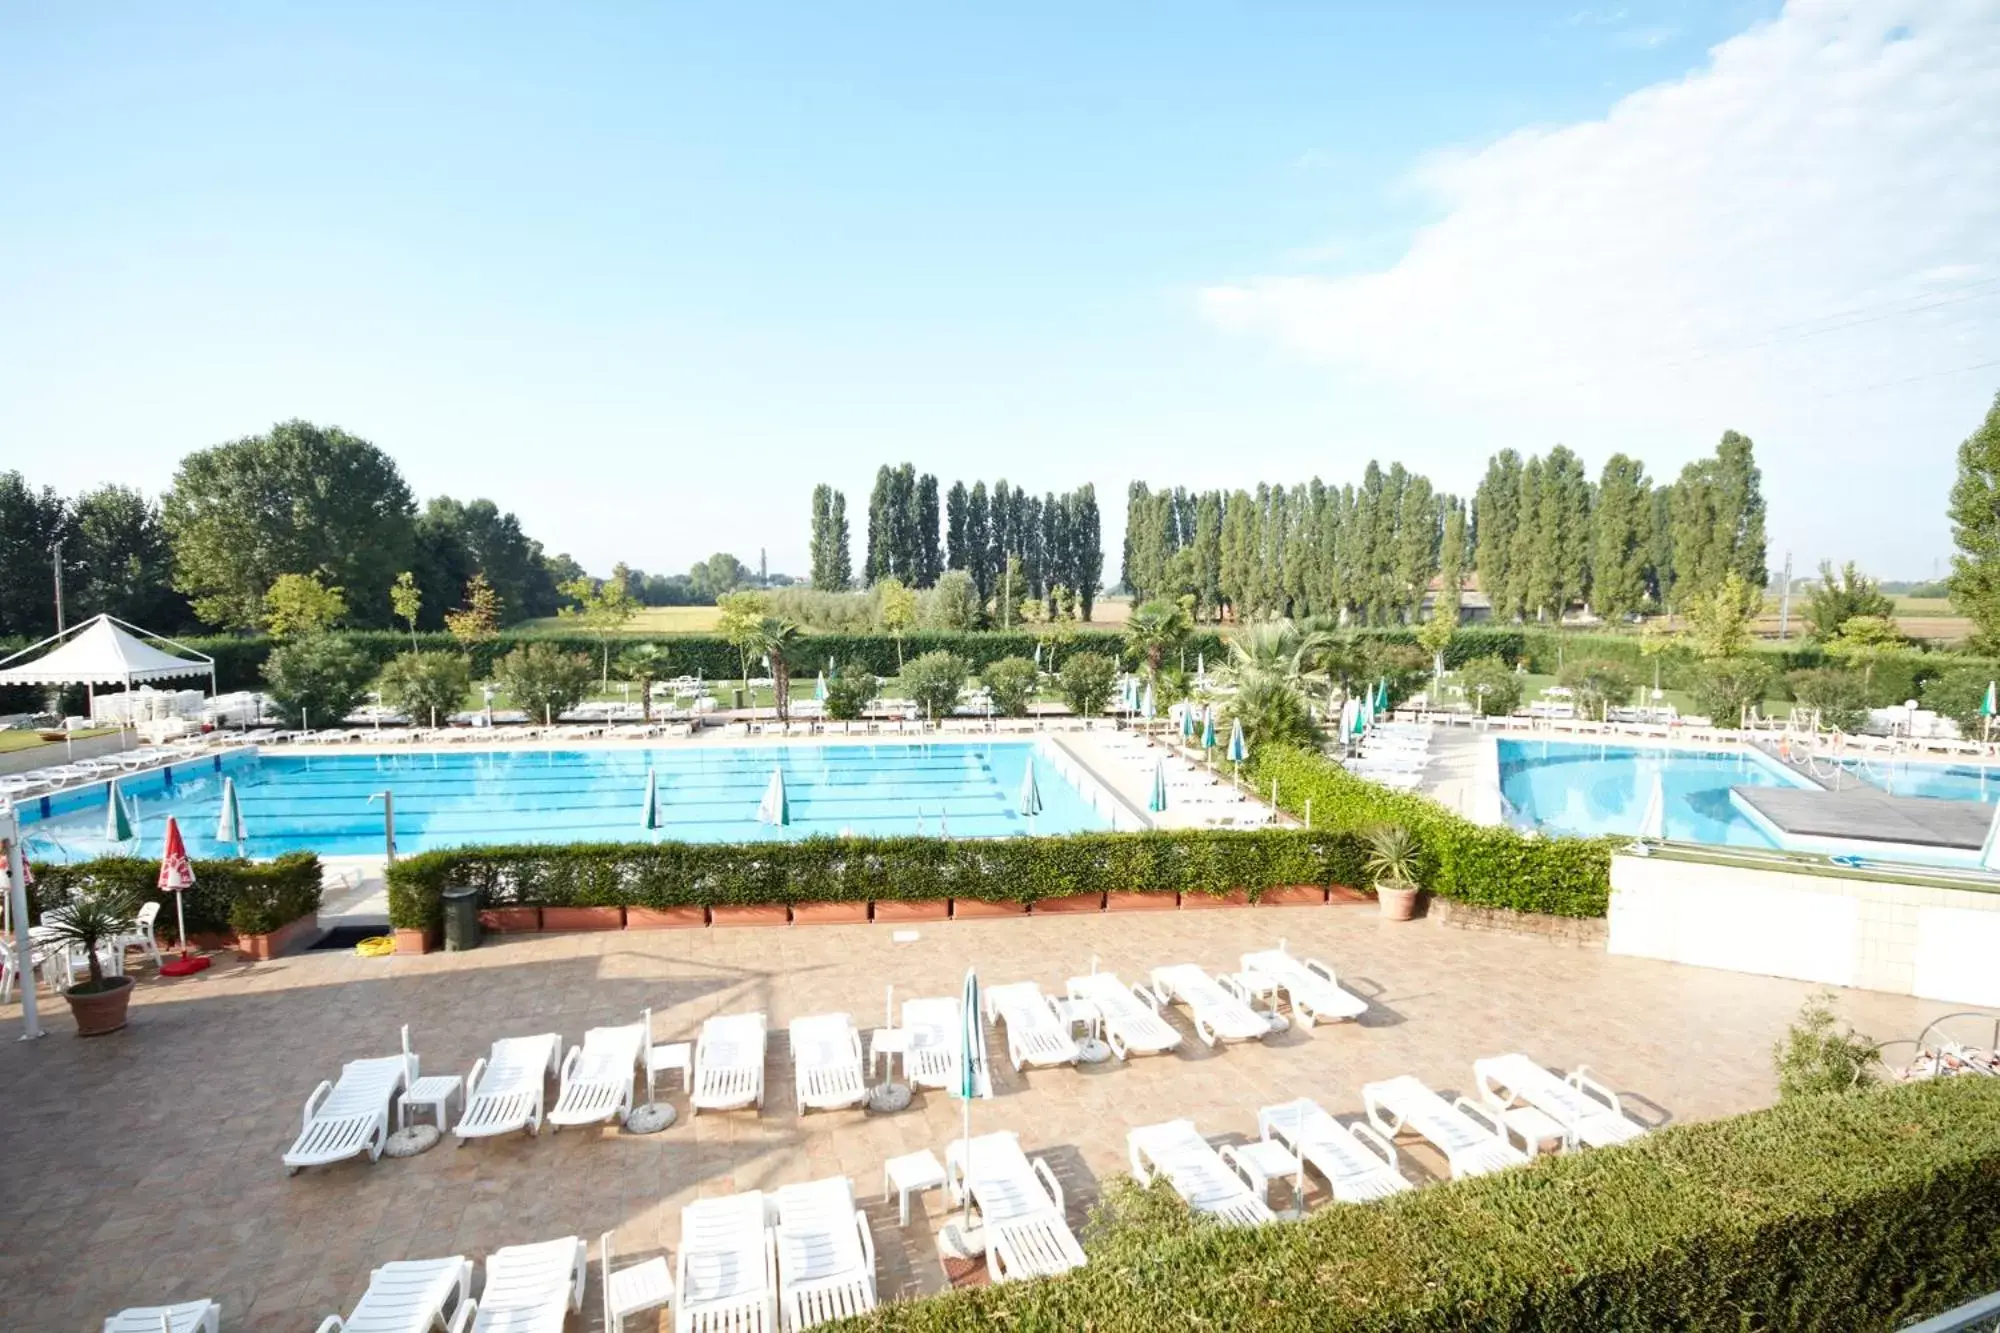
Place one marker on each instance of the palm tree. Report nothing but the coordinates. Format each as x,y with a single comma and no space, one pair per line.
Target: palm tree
1278,650
1154,628
1273,713
642,664
774,635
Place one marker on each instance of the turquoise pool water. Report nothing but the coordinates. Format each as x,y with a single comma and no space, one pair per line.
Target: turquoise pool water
1582,789
319,802
1949,782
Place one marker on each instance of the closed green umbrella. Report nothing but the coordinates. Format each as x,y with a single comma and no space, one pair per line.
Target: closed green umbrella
1208,729
1238,751
1187,724
974,1080
1158,800
649,814
229,825
117,819
774,808
819,688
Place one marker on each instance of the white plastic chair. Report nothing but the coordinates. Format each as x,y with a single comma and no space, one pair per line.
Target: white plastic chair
1198,1173
826,1255
827,1071
936,1031
529,1288
1358,1163
141,935
507,1088
1308,983
1470,1136
726,1276
1130,1015
1020,1205
729,1063
409,1296
1219,1014
596,1080
187,1317
347,1118
1036,1033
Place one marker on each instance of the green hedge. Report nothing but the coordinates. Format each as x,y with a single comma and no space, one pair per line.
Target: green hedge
244,897
823,869
1860,1212
1464,861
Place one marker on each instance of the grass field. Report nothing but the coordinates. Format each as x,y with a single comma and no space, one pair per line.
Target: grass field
1107,613
1932,619
15,739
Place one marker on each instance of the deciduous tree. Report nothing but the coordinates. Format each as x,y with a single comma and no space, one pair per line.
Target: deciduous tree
1975,528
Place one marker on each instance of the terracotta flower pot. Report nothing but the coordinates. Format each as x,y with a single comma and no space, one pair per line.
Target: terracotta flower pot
1399,901
99,1012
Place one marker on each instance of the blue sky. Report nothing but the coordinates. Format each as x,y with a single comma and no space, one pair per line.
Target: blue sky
646,277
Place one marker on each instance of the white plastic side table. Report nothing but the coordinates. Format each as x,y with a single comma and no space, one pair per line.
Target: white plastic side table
434,1091
1262,1161
908,1175
674,1055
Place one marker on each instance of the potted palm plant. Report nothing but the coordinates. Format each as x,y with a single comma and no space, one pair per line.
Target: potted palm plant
1392,860
90,921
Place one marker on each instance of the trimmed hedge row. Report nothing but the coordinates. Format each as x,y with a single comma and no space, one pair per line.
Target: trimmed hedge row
1859,1212
823,869
240,897
1464,861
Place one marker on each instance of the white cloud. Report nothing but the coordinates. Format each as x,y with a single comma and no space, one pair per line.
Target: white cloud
1793,240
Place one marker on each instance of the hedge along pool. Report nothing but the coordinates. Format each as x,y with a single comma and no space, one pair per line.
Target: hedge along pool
320,802
1577,788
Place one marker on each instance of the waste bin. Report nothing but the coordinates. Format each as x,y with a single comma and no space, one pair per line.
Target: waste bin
461,918
739,697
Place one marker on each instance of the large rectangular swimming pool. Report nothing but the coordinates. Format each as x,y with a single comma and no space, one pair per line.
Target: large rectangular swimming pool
1581,789
320,802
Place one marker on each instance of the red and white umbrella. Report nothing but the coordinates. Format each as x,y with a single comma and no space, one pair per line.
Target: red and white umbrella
177,877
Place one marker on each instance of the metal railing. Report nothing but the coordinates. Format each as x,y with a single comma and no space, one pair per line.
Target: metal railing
1980,1316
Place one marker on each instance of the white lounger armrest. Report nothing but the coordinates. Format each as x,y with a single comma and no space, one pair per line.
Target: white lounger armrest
1049,1182
1580,1079
319,1095
1484,1116
1367,1135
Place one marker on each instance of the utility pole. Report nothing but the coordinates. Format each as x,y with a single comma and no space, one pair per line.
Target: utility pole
1785,601
56,549
763,569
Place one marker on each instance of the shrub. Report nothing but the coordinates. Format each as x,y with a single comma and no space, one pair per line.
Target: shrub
544,681
1726,687
678,874
1597,682
317,681
1012,681
1958,695
935,681
850,690
951,604
1456,858
426,687
1086,682
244,897
1840,695
1490,687
1851,1213
1272,713
1814,1058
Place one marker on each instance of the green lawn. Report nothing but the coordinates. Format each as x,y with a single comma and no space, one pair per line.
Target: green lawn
13,740
649,620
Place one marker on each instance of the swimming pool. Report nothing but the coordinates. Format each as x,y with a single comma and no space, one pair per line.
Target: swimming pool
320,802
1949,782
1588,790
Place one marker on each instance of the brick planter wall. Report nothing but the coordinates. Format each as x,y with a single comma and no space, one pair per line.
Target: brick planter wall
979,909
923,909
749,916
510,920
1582,932
1292,895
412,941
583,918
1076,902
1135,900
285,939
666,918
829,914
1202,902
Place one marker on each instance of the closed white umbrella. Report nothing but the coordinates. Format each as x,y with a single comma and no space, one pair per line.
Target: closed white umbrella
229,827
774,808
1653,824
974,1080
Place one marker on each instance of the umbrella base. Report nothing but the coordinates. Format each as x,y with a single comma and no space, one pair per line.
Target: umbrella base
411,1140
1277,1023
650,1118
959,1241
888,1098
1091,1051
185,966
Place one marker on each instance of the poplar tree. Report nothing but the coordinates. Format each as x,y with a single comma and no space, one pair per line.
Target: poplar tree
1975,529
1619,532
1530,564
926,562
1496,508
881,528
979,540
957,555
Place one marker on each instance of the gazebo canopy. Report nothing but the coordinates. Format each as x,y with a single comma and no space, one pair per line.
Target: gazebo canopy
102,651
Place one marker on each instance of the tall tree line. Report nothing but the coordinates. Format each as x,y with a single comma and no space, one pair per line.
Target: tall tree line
1011,543
832,568
1362,554
300,499
1546,539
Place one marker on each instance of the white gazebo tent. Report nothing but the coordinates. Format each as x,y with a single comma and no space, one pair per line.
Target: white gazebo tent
103,650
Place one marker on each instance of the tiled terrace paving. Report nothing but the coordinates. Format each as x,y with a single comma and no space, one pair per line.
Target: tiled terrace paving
144,1167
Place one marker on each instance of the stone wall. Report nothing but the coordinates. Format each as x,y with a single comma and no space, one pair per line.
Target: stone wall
1583,933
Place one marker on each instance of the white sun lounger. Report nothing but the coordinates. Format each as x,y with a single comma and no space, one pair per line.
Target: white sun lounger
347,1118
826,1256
409,1296
1219,1014
1130,1014
1036,1034
1198,1173
506,1089
597,1076
729,1063
726,1276
1469,1135
1592,1121
936,1029
826,1062
1359,1164
1020,1205
1307,983
531,1288
187,1317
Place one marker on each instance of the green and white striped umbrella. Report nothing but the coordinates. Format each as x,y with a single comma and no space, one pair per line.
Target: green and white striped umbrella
1238,751
774,808
1158,800
1146,704
229,824
1187,722
819,688
649,814
117,819
974,1079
